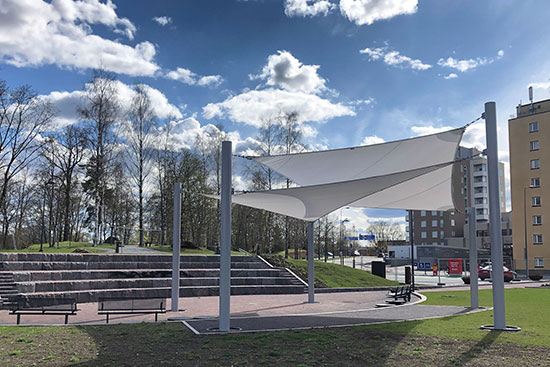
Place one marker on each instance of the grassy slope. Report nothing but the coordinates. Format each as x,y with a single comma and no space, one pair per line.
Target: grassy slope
340,276
63,247
526,308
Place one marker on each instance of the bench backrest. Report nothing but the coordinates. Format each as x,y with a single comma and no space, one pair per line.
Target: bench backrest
63,304
131,304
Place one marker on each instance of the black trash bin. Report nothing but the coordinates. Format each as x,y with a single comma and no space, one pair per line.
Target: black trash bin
408,275
378,268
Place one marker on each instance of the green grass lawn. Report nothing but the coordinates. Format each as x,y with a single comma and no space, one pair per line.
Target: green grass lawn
340,276
63,247
526,308
450,341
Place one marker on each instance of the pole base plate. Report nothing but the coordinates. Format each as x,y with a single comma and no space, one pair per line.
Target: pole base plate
492,328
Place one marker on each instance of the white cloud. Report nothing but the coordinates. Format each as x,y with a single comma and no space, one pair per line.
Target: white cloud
186,76
463,65
451,76
286,71
66,103
253,106
369,140
369,11
394,58
163,20
500,54
308,8
36,33
427,130
540,85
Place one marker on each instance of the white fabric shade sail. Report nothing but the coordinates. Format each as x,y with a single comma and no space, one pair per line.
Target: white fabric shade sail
407,174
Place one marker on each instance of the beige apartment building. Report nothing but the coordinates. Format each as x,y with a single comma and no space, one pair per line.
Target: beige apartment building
529,134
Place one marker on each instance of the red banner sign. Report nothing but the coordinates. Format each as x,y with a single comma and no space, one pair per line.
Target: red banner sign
455,266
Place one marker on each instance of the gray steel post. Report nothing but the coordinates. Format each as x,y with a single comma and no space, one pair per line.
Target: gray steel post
225,238
176,246
310,265
474,295
411,229
525,255
494,217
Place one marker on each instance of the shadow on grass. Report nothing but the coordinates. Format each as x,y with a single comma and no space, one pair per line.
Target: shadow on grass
474,350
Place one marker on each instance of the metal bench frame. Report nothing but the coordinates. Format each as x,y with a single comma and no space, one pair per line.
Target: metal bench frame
71,309
102,310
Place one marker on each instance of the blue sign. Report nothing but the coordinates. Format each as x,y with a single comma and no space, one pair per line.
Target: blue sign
420,266
424,266
361,237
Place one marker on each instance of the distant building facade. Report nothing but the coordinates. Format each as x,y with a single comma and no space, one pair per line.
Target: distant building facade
529,134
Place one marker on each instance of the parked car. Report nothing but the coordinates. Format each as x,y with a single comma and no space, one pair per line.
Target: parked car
485,273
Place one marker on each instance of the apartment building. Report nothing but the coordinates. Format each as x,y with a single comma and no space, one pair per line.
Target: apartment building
470,188
529,134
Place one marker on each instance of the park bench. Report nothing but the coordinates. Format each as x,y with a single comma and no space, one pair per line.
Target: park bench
28,306
108,306
400,294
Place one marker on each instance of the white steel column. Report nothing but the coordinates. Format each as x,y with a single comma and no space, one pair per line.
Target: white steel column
176,246
225,238
494,216
474,295
310,265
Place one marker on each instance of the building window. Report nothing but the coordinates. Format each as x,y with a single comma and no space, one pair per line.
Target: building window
423,224
422,213
539,262
535,182
452,213
453,233
537,220
423,235
441,235
533,127
482,211
434,234
537,239
534,145
480,201
535,164
478,179
434,243
434,223
480,167
480,190
535,201
434,212
452,222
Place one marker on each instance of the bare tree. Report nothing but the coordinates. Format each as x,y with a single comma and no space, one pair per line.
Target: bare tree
138,127
23,117
101,111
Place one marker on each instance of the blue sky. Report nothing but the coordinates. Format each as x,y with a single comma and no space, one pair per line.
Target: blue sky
357,71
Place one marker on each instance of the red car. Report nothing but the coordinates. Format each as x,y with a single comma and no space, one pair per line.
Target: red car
485,273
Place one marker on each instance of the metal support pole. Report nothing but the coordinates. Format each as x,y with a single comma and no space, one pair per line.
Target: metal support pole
310,265
474,295
225,240
411,229
176,247
494,216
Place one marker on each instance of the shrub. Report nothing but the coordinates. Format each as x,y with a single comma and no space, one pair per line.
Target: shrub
466,279
535,276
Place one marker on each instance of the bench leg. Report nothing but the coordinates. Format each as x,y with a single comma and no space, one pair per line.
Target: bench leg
107,319
156,316
18,318
66,318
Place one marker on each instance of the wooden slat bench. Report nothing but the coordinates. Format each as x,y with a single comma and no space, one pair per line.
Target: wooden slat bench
108,306
26,306
400,294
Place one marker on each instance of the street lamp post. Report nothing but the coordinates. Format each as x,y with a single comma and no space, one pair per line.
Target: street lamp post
341,235
46,185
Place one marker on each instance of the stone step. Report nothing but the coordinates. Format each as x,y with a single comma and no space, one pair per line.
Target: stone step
165,292
52,265
51,275
92,285
71,257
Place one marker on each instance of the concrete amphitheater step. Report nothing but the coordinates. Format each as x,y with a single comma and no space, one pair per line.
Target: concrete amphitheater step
59,257
44,275
53,265
83,296
74,285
